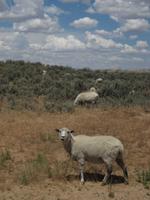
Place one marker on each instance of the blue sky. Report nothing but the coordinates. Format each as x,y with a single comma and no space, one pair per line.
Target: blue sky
97,34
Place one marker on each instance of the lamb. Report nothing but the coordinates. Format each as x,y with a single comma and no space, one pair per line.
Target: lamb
89,97
44,72
94,149
132,92
98,80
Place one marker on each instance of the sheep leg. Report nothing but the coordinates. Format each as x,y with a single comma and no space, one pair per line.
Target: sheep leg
120,162
81,167
108,174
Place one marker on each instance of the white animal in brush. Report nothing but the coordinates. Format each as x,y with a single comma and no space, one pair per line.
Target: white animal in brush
94,149
88,97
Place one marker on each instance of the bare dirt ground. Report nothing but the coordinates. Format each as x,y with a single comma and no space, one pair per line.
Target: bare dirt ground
27,134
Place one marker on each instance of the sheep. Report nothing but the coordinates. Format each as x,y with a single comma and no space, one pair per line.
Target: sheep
98,80
132,92
94,149
44,72
88,97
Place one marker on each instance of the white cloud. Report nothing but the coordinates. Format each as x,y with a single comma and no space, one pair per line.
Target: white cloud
70,50
63,43
139,47
109,34
142,44
47,23
90,10
36,46
115,58
122,9
135,25
100,39
128,49
94,41
137,59
72,1
12,41
53,10
36,34
103,32
20,42
85,22
8,36
3,45
145,51
23,9
41,42
114,18
133,37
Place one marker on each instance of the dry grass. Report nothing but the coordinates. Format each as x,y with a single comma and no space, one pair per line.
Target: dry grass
26,134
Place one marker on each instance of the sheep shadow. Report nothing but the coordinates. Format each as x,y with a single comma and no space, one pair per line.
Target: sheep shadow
96,177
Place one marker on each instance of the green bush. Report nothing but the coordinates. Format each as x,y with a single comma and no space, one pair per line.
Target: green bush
23,82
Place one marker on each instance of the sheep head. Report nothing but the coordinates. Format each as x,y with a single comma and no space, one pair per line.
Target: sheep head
64,133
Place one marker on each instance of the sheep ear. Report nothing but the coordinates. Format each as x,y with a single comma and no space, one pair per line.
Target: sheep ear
72,131
57,129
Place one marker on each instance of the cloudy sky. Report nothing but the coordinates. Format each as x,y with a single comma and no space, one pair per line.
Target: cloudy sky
94,34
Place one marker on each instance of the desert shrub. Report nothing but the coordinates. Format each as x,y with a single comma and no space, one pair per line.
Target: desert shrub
39,168
144,178
58,106
4,157
33,170
22,82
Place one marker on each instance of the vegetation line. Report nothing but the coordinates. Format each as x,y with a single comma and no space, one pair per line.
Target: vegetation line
33,86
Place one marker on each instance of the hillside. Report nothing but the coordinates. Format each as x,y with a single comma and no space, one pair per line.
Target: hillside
25,86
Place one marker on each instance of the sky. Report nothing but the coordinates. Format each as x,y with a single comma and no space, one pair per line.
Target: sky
96,34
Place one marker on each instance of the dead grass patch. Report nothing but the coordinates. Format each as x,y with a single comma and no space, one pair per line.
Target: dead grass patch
26,134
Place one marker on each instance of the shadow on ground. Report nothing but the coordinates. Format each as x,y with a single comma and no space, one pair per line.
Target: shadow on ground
96,177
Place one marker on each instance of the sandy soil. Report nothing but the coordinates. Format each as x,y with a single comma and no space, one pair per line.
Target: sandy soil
25,134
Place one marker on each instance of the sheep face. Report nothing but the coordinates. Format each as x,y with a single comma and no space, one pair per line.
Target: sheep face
64,133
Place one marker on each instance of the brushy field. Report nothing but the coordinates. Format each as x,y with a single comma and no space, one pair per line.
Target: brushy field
24,87
31,155
33,163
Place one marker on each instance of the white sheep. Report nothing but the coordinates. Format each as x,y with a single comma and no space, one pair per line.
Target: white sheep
94,149
132,92
98,80
44,72
88,97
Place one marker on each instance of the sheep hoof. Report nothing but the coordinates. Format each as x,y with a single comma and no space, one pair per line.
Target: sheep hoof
82,182
103,183
126,182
